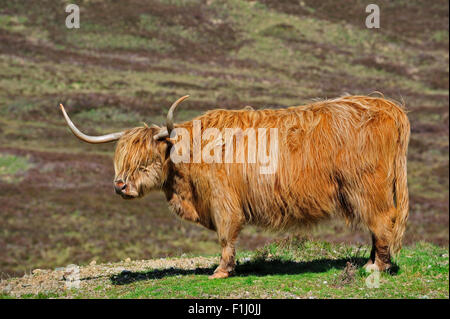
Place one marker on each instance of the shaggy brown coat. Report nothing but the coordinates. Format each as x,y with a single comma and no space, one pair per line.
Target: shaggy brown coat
342,157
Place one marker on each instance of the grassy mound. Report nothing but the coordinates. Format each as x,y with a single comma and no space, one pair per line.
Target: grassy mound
289,268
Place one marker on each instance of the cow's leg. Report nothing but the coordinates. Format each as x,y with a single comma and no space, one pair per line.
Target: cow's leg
374,201
381,226
227,233
371,260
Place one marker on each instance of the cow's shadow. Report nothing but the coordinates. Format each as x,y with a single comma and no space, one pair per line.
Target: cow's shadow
249,268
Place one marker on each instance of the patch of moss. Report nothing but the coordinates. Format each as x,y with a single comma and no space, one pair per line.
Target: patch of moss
11,166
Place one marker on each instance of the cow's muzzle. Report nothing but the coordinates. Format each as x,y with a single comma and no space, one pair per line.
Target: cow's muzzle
119,187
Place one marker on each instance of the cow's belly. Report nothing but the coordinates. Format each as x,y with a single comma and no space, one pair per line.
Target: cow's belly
281,212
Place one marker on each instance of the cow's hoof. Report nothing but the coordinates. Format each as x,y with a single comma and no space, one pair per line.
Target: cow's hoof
385,267
219,274
370,266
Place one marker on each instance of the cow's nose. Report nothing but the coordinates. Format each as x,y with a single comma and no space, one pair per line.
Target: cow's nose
119,187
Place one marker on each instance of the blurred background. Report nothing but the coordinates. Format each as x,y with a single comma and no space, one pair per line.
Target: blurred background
127,63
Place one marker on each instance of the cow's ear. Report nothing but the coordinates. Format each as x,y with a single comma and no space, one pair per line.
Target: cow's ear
161,135
165,140
163,145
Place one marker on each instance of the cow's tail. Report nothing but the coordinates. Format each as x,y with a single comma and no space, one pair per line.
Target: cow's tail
400,186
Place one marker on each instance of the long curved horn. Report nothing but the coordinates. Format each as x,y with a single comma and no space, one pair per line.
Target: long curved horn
90,139
169,121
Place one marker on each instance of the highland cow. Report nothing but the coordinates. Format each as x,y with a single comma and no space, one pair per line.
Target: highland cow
342,157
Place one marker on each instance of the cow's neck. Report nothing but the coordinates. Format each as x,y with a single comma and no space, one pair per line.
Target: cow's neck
179,193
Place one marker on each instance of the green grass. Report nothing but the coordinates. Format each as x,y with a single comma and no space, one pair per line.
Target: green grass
440,36
10,165
116,41
12,23
289,268
305,270
107,114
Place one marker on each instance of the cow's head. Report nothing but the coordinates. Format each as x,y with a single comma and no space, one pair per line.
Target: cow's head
140,154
